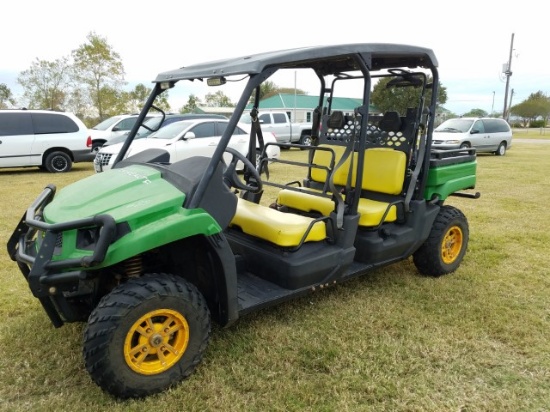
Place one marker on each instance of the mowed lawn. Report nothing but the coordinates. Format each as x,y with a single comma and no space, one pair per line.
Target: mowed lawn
475,340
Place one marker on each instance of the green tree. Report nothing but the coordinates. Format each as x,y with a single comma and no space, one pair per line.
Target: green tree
218,99
135,99
192,103
47,84
476,113
99,68
400,98
6,97
536,105
268,89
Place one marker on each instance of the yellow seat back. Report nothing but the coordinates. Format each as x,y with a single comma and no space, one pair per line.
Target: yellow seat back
323,158
384,170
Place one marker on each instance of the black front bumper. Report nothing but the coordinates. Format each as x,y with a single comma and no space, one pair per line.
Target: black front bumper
32,246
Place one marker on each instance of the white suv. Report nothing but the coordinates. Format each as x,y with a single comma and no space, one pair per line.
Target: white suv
50,140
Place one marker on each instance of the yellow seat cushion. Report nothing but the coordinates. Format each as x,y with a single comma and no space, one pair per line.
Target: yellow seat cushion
371,212
306,202
282,229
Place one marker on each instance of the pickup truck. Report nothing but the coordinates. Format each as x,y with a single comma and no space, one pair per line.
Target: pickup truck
278,123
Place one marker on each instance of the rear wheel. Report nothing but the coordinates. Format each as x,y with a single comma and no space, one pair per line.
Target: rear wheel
96,146
446,245
146,335
306,140
58,162
501,151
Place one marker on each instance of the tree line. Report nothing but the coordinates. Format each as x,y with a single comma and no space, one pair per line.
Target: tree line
90,83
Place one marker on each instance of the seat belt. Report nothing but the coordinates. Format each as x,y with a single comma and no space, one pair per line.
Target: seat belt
340,204
256,131
416,172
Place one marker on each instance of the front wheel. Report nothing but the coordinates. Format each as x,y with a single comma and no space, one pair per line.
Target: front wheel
58,162
146,335
446,245
501,151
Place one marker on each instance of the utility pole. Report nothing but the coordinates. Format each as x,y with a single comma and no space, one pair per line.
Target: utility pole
493,105
508,73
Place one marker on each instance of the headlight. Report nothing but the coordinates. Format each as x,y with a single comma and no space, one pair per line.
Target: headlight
87,238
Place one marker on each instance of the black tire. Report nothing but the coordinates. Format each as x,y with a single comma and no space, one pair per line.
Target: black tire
306,140
58,162
465,146
501,150
446,245
146,335
96,146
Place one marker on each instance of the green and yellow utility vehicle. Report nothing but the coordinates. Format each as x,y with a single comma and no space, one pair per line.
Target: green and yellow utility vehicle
150,251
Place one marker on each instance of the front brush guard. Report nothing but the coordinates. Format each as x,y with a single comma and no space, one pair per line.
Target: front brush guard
37,266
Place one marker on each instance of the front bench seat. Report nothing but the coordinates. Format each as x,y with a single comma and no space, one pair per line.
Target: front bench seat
281,229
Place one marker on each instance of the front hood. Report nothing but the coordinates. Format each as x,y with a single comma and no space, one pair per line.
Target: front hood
448,136
140,145
123,193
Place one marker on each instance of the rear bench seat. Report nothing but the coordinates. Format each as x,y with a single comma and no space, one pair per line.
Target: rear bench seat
383,172
282,229
312,200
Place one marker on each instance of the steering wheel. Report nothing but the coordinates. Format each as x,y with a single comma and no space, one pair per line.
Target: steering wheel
231,177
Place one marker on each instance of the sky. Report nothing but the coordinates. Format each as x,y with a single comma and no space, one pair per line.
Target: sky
471,39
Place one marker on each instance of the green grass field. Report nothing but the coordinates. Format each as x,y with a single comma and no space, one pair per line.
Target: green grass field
475,340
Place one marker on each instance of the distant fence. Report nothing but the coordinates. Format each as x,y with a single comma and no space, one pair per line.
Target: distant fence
532,131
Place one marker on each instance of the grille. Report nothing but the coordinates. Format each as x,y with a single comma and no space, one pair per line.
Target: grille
103,158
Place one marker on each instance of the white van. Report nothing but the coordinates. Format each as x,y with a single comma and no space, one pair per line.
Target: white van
483,134
50,140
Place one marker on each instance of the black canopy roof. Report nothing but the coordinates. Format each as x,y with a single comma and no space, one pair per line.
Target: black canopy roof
376,55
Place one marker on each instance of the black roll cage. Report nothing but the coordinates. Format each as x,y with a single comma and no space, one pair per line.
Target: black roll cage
324,60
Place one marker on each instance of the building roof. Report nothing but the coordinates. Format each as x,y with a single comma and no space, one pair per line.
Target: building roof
283,101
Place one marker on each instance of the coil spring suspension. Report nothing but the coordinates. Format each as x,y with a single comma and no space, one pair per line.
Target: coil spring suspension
133,267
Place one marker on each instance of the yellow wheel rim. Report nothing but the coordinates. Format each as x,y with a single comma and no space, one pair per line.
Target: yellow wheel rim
452,244
156,341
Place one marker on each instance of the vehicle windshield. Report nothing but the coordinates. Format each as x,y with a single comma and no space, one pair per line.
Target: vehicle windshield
454,126
171,131
105,124
245,118
152,124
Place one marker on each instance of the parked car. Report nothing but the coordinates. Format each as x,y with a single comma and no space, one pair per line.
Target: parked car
157,122
483,134
184,139
111,128
50,140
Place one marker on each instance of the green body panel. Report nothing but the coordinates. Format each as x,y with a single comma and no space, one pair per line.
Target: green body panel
136,195
445,180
